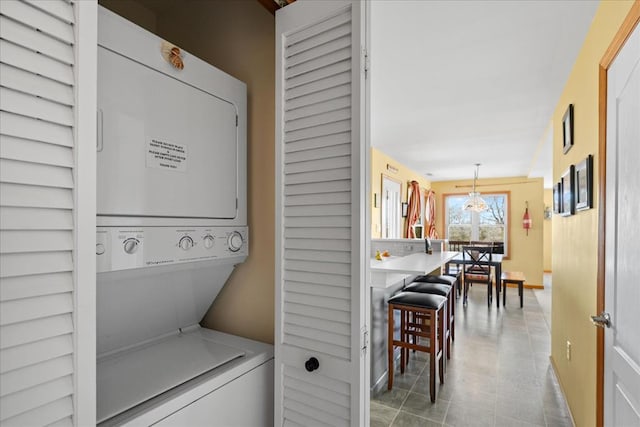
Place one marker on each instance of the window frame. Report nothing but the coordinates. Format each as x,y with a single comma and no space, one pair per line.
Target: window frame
506,193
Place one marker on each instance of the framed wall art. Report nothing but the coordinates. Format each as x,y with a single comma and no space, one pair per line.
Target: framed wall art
557,191
567,129
583,180
567,199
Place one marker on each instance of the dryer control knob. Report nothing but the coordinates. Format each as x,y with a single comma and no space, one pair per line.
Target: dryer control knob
235,241
208,241
186,243
131,245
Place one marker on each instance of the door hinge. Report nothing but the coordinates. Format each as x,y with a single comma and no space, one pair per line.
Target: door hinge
364,340
236,120
366,62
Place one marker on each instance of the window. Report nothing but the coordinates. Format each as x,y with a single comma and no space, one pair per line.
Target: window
488,226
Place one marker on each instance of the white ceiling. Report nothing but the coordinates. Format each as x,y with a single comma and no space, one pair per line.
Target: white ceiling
454,83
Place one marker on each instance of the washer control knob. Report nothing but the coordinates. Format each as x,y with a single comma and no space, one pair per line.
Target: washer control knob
208,241
131,245
235,241
186,243
99,249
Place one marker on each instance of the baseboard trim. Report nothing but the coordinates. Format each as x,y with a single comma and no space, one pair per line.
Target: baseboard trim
555,372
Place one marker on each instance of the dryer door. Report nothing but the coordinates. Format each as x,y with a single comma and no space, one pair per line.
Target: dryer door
165,148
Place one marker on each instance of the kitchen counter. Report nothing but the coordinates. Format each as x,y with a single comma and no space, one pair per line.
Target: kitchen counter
389,271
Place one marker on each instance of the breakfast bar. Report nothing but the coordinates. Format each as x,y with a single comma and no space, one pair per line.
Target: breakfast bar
388,276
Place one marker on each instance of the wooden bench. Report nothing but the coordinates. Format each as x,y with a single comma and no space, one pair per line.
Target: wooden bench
515,277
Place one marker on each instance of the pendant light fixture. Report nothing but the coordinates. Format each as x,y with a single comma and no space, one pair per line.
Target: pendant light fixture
475,202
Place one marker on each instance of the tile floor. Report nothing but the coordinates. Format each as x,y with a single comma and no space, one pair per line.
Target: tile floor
499,373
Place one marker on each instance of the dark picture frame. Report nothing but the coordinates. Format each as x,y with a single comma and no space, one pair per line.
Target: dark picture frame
567,197
567,129
405,209
557,191
583,181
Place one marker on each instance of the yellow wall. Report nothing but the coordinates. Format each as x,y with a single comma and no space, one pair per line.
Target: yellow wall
575,237
404,175
237,37
525,252
547,227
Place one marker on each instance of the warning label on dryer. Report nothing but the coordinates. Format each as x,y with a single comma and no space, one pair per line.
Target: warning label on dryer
166,155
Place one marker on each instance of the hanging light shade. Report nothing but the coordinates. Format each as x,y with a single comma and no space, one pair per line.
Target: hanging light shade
475,202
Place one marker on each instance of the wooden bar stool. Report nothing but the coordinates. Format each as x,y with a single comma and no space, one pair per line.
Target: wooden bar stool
444,291
415,310
454,283
515,277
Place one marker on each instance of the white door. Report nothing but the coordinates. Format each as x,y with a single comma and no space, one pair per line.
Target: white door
622,294
390,208
321,371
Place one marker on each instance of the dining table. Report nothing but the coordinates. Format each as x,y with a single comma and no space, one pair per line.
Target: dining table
495,262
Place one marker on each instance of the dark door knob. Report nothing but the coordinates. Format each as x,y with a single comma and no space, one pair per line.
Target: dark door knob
311,364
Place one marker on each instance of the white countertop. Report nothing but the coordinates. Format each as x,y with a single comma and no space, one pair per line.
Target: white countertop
414,264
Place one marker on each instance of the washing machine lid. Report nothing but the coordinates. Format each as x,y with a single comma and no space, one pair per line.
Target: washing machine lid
129,378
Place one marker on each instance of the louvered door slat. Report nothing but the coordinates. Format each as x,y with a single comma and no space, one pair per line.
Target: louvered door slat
318,165
315,210
318,279
325,405
35,330
318,188
338,388
331,73
30,376
24,81
23,12
35,219
318,51
35,263
36,352
35,174
318,391
36,285
321,417
303,67
321,324
60,9
317,131
319,267
36,152
329,140
332,246
27,309
318,176
18,195
32,39
314,87
329,337
28,105
33,129
57,412
306,254
319,233
26,59
320,108
20,241
318,312
312,290
318,221
27,400
304,101
318,119
316,199
317,34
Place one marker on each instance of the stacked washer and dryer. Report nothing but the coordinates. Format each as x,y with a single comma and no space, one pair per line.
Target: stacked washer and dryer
172,226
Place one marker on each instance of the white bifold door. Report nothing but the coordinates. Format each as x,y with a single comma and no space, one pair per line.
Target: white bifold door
321,372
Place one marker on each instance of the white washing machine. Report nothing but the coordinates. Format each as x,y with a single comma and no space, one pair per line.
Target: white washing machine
172,226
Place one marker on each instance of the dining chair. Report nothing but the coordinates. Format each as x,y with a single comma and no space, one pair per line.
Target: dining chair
477,269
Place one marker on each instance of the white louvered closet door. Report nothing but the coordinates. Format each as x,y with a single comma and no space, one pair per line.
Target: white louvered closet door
321,179
37,199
